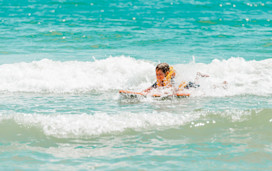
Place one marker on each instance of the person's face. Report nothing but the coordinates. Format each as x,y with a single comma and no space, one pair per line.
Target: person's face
160,75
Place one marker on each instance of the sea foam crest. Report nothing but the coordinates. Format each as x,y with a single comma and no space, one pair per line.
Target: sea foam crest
85,125
234,76
55,76
101,123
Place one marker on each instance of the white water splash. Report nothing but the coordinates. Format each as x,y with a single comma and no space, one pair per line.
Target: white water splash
240,76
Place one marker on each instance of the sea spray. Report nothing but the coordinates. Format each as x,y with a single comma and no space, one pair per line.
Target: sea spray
231,77
74,76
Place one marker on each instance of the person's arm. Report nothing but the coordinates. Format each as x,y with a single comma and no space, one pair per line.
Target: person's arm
173,85
182,85
150,88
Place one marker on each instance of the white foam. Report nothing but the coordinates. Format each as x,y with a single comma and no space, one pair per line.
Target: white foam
101,123
54,76
113,73
84,125
242,77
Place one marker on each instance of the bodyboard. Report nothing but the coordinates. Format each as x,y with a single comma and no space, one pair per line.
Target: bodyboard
144,94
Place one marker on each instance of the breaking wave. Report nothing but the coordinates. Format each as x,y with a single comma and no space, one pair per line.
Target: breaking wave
234,76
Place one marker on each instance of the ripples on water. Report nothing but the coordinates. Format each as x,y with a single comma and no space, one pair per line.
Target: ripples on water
68,30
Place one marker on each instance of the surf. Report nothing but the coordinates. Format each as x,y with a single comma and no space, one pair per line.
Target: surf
116,73
84,126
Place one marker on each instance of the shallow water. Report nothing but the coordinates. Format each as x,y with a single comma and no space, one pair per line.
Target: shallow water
63,62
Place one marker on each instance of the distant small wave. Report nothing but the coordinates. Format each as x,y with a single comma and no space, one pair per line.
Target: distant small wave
87,125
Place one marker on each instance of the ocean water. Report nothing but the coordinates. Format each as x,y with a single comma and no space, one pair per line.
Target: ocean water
62,63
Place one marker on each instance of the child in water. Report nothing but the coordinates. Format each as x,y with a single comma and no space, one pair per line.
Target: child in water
165,78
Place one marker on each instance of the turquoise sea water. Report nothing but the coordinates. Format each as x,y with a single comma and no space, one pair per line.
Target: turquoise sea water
62,63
